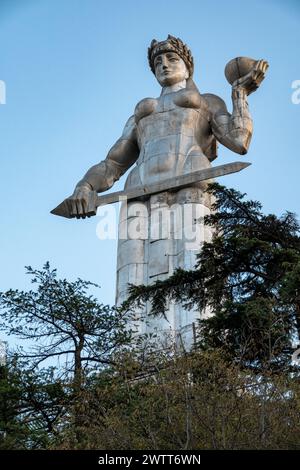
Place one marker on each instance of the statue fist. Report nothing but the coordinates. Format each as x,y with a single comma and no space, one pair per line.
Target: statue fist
82,202
252,80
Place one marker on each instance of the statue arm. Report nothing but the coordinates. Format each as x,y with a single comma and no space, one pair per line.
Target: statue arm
235,130
121,156
102,176
232,130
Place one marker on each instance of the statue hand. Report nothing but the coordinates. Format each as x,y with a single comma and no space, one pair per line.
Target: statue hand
81,203
252,80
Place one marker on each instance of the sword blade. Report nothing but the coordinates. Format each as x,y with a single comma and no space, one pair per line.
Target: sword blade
176,182
173,183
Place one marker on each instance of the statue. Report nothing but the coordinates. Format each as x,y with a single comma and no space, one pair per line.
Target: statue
166,138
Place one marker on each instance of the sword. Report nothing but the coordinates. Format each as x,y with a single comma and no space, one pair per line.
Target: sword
169,184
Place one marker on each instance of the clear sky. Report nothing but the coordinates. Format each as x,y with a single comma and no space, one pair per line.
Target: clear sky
74,70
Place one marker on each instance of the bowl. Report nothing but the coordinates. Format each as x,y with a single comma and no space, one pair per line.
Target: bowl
238,67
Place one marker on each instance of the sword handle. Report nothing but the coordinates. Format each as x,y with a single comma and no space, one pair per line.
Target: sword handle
92,204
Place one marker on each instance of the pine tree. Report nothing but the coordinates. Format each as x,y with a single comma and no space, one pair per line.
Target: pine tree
248,276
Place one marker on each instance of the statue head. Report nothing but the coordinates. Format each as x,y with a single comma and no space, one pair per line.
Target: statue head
172,53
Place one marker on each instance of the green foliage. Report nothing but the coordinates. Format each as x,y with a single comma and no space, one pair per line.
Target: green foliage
196,401
60,321
32,404
64,321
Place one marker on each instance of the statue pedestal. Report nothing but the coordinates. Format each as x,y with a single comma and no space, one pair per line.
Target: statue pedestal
157,237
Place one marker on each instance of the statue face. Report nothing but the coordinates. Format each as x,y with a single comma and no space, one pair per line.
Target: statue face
170,69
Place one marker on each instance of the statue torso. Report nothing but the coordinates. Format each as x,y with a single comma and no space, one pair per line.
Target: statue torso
173,133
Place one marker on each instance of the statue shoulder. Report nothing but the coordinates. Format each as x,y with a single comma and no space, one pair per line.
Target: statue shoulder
144,108
215,103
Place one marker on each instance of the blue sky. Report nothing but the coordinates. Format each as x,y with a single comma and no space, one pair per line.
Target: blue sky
74,70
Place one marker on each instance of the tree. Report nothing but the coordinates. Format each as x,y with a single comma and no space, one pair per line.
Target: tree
64,322
32,406
60,320
192,401
248,277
